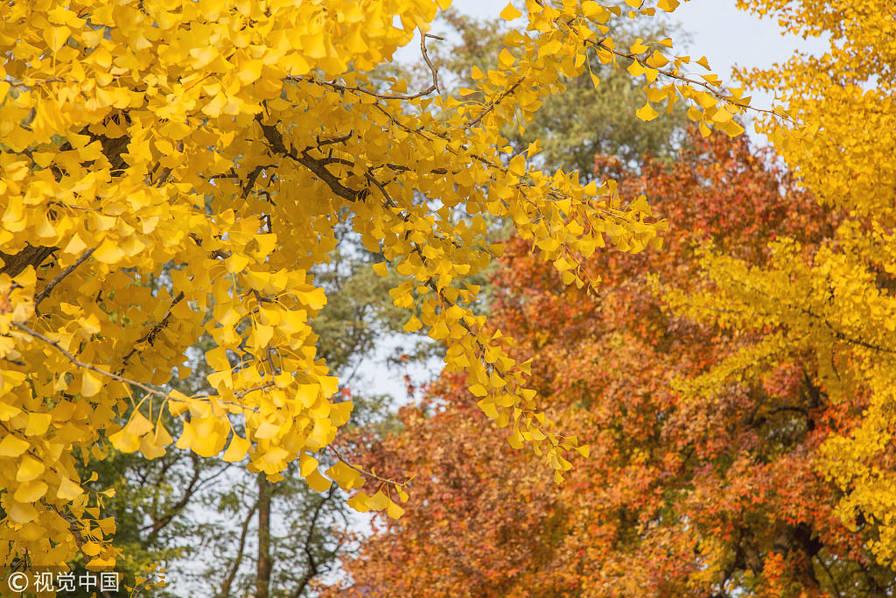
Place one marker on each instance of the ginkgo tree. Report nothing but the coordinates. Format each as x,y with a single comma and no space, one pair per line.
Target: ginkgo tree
213,146
832,305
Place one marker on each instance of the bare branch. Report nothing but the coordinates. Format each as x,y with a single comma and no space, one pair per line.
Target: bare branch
313,569
238,559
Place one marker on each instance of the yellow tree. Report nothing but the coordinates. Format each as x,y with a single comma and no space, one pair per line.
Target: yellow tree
833,307
170,171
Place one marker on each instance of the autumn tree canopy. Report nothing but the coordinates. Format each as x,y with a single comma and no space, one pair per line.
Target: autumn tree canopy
171,171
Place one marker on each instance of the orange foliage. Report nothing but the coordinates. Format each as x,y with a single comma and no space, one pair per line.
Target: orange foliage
679,496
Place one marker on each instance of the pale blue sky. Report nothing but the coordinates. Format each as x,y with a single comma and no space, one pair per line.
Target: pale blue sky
724,34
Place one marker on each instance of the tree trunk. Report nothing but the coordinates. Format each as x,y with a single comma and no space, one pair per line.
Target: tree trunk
263,568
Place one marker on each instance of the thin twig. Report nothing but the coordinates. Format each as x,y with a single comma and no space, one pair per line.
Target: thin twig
368,474
493,104
153,332
717,93
87,366
119,378
433,87
61,276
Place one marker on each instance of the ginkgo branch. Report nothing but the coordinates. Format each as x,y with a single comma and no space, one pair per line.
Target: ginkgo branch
83,364
494,104
151,334
714,91
367,474
315,165
119,378
433,87
43,294
253,177
31,255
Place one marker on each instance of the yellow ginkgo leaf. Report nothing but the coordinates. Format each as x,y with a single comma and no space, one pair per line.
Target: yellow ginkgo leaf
12,446
413,325
20,512
29,469
30,491
590,8
360,502
68,490
341,412
346,476
638,47
108,252
505,58
510,12
647,112
138,425
56,37
91,384
307,464
150,449
38,423
208,436
307,394
236,450
478,390
394,511
124,441
668,5
378,501
266,430
318,482
91,548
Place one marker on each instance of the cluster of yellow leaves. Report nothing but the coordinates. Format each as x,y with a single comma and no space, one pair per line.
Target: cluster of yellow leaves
833,307
171,170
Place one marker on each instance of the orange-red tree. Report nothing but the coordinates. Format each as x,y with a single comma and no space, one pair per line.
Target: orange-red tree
680,496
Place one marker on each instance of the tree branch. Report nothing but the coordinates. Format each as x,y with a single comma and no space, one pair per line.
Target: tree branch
433,87
151,334
238,559
14,264
61,276
87,366
313,569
